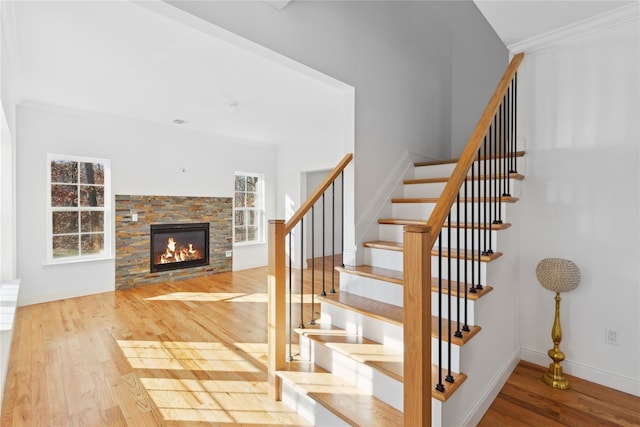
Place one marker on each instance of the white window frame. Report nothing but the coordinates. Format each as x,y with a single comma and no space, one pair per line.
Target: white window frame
258,208
106,209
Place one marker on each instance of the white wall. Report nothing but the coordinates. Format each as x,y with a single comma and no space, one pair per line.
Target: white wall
8,81
146,159
479,60
579,109
397,56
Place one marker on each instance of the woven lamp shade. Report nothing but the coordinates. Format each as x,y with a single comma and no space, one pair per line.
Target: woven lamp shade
558,275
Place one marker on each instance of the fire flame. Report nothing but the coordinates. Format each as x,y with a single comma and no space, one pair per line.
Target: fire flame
175,253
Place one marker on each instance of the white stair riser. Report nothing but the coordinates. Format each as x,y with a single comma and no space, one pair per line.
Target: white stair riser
373,329
308,408
435,189
375,289
394,260
383,258
475,213
368,379
454,308
383,332
439,171
479,271
434,171
395,233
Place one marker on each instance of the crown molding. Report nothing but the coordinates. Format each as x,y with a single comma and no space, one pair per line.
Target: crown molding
597,23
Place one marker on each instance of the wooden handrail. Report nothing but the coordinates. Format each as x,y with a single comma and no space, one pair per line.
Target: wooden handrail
306,206
452,188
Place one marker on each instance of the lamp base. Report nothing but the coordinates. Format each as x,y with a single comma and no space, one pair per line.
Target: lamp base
555,378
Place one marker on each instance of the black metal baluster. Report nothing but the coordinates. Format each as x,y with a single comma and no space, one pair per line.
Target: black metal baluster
481,220
458,333
506,145
498,163
449,377
485,195
301,325
440,386
290,303
323,250
514,164
473,225
465,327
342,222
333,237
313,265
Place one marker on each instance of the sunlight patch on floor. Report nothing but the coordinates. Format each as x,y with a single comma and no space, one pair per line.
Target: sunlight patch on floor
189,356
207,400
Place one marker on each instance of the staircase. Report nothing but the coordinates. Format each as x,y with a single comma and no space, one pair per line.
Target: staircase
374,355
354,374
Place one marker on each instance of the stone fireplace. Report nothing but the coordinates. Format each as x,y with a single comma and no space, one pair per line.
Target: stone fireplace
136,251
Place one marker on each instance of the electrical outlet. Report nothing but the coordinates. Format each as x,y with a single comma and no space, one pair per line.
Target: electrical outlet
228,254
611,336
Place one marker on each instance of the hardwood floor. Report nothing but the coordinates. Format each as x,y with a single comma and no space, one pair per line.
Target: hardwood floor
176,354
193,353
526,401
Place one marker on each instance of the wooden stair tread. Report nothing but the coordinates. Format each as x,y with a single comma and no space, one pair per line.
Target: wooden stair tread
359,409
469,226
460,341
503,199
367,306
449,388
454,291
382,244
441,179
385,274
449,161
376,355
392,314
468,255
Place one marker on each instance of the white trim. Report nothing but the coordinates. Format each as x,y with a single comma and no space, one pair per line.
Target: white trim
597,23
69,293
107,231
490,392
261,196
609,379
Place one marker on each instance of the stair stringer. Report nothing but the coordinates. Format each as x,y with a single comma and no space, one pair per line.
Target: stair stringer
493,354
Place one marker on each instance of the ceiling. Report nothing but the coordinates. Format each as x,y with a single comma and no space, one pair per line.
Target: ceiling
516,21
126,59
123,59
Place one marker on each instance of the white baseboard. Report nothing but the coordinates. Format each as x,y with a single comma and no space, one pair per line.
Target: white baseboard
56,296
589,373
476,412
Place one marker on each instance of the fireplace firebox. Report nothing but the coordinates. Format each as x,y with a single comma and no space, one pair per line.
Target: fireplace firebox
175,246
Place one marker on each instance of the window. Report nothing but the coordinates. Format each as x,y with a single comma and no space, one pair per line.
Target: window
248,208
79,200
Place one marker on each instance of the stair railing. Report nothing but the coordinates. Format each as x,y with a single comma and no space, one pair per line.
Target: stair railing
478,186
281,276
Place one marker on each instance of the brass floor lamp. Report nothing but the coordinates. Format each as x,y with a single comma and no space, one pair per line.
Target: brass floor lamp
557,275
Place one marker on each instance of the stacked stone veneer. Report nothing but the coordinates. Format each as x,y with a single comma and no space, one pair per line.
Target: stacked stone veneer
133,238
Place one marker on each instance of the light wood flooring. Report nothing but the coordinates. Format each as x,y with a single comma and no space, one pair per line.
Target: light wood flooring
193,353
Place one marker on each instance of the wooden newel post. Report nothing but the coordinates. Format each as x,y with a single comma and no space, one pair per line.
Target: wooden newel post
276,327
417,325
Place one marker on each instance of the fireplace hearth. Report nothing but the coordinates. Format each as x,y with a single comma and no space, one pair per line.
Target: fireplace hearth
176,246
